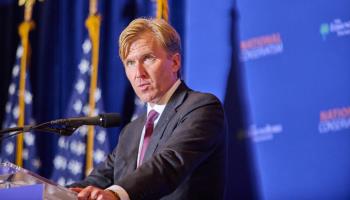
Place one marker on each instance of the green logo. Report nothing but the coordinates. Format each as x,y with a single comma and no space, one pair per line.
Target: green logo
324,30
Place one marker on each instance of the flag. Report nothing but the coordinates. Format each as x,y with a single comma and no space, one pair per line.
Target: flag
69,162
30,157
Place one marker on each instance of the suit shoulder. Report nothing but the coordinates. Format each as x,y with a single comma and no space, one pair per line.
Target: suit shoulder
195,100
203,97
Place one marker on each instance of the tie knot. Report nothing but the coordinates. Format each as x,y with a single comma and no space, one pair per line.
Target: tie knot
152,115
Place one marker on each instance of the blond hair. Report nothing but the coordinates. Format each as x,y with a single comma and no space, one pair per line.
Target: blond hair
162,31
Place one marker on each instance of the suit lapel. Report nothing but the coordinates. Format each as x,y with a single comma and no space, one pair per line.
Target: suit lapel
170,110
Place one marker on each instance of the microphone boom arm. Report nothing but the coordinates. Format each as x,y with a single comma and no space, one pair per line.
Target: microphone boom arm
65,127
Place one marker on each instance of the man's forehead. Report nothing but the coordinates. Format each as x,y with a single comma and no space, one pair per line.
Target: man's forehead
141,45
138,49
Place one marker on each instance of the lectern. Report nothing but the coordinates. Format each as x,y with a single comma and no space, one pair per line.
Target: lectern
19,183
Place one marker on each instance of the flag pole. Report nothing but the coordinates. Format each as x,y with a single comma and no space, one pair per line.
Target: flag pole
162,10
24,28
93,24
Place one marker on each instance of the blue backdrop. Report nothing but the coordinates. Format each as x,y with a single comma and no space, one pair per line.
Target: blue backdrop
280,68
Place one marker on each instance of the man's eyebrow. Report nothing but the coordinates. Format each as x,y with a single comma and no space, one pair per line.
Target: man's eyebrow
141,55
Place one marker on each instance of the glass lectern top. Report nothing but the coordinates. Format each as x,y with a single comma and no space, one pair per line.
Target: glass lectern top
12,175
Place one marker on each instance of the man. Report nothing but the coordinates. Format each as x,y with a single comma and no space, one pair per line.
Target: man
176,150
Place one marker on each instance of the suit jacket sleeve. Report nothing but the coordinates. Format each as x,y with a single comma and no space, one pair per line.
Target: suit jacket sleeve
104,174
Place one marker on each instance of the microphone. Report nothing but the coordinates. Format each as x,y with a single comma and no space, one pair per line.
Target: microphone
65,127
105,120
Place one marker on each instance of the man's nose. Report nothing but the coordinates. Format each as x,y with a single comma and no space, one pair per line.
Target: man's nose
140,70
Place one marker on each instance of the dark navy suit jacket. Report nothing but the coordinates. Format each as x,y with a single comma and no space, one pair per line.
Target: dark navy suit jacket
185,159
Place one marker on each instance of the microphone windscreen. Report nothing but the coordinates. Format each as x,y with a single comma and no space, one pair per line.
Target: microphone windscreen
110,120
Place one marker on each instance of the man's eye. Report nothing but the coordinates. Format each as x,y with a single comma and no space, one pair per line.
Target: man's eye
149,59
130,63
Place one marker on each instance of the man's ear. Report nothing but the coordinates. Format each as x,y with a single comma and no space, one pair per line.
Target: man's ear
176,62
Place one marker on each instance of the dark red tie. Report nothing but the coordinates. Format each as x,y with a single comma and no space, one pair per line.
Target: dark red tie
152,116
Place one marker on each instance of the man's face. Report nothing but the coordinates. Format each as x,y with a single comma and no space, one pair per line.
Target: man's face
150,69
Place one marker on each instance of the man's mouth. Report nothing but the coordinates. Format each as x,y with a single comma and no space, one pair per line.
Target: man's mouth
143,86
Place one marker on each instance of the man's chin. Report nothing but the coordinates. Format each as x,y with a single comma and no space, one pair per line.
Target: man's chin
145,98
148,99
